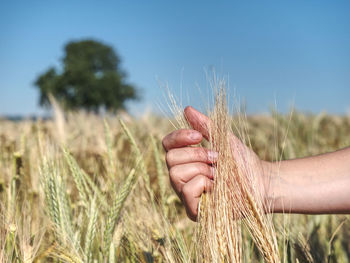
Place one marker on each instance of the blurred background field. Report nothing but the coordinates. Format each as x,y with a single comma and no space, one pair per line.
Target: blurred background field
81,188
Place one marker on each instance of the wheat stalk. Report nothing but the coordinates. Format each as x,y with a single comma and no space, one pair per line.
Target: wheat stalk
109,142
160,175
77,176
113,216
91,231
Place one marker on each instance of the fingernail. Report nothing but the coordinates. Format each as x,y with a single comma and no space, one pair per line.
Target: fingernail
213,156
195,136
213,171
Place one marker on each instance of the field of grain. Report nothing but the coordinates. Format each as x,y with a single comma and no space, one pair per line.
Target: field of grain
82,188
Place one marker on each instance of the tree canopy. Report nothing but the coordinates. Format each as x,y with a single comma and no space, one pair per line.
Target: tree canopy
90,78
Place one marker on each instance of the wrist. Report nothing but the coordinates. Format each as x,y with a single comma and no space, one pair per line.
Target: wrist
269,172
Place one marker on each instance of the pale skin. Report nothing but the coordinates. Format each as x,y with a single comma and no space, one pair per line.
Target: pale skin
312,185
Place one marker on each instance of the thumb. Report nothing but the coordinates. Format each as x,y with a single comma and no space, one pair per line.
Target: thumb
198,121
201,123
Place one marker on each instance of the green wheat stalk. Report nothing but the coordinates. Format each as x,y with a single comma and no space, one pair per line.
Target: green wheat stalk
58,203
91,231
113,216
83,181
77,176
50,194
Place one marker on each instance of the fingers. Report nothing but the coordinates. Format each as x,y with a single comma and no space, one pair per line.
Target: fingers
190,168
183,173
181,138
189,155
192,192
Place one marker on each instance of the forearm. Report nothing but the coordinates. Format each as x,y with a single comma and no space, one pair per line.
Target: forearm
312,185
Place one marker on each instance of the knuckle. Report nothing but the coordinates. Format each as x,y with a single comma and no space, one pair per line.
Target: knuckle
202,180
205,169
200,168
173,173
208,170
186,190
169,157
164,143
167,140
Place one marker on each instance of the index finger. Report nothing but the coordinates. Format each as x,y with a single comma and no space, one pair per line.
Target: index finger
181,138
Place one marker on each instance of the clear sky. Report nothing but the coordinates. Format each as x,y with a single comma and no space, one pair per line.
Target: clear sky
273,51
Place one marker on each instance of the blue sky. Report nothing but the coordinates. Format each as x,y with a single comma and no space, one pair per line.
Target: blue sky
272,51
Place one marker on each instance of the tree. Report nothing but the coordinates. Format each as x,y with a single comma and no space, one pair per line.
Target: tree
90,78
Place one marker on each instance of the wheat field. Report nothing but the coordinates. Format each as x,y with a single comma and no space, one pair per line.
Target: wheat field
86,188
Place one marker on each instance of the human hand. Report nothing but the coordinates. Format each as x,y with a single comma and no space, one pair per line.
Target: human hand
191,168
